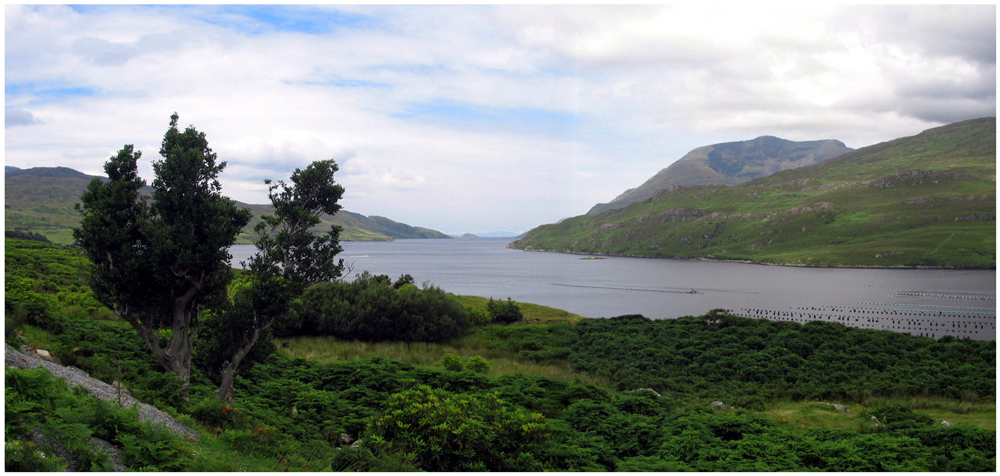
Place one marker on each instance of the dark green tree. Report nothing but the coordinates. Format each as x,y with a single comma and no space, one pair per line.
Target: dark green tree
289,258
157,264
284,239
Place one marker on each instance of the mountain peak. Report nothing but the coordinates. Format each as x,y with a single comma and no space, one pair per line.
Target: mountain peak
730,163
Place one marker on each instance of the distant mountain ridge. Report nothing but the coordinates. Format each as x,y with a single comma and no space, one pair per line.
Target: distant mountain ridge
927,200
41,200
730,163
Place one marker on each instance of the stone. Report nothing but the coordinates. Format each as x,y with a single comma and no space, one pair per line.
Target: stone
44,354
841,408
946,423
648,390
718,404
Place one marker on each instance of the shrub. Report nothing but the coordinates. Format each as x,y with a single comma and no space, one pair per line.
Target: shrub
452,432
478,317
451,362
477,364
893,417
504,311
371,309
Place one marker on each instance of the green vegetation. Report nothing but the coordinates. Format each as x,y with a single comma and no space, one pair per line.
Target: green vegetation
372,309
159,262
504,312
41,412
927,200
634,394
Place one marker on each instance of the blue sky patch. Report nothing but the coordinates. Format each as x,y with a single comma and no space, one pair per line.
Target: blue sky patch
257,19
48,93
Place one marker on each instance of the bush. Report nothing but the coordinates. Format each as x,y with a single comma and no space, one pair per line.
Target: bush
894,417
451,432
504,312
478,317
372,309
451,362
477,364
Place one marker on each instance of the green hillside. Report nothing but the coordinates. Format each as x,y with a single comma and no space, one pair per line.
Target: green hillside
926,200
41,199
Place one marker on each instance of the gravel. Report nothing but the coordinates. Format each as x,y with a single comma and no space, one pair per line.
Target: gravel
77,378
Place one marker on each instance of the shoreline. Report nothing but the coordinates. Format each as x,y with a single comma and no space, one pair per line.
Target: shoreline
791,265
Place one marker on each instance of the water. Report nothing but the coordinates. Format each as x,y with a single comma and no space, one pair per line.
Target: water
933,303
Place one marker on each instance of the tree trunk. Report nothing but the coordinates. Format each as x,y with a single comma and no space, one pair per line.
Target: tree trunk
225,392
176,357
230,367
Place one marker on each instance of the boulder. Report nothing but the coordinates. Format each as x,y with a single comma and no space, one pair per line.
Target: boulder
946,423
718,404
43,354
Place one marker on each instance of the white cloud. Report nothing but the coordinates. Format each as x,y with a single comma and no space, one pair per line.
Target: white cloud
471,118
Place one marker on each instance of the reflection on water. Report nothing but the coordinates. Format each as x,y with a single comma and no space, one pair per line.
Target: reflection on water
933,303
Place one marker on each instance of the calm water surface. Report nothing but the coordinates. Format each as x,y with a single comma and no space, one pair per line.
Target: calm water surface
924,302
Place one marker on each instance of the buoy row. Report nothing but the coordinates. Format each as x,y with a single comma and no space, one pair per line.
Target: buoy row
625,288
984,309
950,295
910,311
973,326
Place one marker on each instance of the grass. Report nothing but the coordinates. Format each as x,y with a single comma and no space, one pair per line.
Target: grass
330,349
805,415
533,313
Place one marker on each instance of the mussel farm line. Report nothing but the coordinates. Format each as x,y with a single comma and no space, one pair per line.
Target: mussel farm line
926,320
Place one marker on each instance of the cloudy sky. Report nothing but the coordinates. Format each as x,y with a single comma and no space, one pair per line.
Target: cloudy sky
480,118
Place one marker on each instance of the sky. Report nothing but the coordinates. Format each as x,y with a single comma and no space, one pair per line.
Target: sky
483,118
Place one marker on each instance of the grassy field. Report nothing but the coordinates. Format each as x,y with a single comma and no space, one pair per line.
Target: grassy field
805,415
329,349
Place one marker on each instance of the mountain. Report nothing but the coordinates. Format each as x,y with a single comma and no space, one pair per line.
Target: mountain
730,163
41,199
925,200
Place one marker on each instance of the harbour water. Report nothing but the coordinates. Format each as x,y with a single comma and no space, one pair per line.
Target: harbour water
929,302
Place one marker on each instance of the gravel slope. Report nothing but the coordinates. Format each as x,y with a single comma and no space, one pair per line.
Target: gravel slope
78,378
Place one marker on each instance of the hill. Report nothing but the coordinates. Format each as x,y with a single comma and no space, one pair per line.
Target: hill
41,200
925,200
730,163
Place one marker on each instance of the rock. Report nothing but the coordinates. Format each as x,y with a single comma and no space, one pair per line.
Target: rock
841,408
718,404
44,354
648,390
946,423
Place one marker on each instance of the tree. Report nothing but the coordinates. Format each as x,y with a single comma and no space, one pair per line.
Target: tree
289,258
284,239
158,263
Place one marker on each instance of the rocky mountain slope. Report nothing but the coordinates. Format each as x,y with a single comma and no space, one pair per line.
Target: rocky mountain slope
925,200
730,163
41,199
